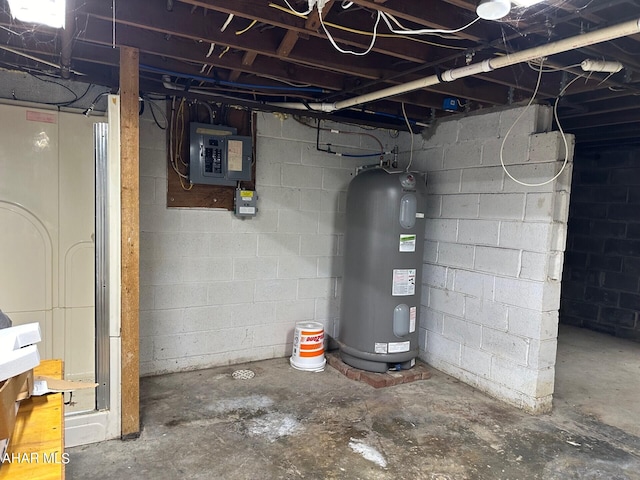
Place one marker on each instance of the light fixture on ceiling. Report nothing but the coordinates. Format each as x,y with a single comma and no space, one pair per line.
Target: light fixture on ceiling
46,12
493,9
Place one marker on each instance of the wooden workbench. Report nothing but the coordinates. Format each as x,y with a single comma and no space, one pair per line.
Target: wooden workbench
36,449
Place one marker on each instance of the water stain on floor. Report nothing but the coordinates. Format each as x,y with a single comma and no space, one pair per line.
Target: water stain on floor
281,425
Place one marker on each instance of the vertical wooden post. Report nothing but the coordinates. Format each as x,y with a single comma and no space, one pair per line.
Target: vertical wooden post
130,241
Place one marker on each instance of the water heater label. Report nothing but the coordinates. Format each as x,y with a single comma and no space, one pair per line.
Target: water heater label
399,347
412,319
380,347
407,243
404,282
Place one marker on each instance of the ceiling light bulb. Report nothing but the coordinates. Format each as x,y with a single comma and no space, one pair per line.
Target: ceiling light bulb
493,9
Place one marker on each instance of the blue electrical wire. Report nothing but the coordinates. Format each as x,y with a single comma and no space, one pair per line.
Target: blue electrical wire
232,84
264,87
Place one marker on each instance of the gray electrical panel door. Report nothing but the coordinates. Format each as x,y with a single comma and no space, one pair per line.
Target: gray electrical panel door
217,156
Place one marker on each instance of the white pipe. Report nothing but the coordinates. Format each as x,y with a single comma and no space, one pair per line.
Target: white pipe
316,107
389,92
579,41
572,43
469,70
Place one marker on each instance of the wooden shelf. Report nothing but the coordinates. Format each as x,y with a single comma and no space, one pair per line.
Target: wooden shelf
37,446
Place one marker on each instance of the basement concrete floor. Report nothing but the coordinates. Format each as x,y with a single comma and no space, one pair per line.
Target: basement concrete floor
286,424
599,376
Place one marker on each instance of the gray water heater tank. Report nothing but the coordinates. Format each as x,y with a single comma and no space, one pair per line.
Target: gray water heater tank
384,244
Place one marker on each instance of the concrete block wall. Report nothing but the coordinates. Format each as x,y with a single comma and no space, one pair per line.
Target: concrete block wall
601,288
219,290
494,251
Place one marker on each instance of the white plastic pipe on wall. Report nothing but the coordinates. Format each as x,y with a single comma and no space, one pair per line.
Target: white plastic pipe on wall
317,107
579,41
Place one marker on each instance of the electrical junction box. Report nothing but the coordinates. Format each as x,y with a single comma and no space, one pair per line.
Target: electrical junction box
217,156
450,105
246,201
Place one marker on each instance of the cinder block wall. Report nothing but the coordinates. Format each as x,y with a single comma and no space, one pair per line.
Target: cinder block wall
601,285
219,290
494,254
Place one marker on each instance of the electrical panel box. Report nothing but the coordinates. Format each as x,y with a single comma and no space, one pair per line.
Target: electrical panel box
217,156
246,203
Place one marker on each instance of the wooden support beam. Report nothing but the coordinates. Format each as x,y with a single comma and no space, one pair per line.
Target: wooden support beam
248,58
234,75
66,36
313,20
130,241
291,37
137,13
288,42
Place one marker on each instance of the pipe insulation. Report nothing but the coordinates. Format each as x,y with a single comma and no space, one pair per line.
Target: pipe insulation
600,66
579,41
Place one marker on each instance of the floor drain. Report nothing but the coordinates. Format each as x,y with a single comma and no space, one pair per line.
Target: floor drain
243,374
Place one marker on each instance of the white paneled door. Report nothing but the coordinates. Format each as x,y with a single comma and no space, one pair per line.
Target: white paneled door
47,225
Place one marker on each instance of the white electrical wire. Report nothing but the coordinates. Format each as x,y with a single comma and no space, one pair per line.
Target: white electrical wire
380,15
404,114
227,22
550,68
385,35
297,12
424,31
341,50
606,78
564,137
